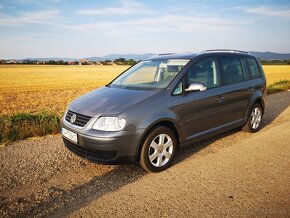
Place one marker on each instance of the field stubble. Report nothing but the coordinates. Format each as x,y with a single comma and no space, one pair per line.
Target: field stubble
36,88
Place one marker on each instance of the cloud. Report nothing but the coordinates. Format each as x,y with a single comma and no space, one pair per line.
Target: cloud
36,17
127,7
1,6
269,12
163,23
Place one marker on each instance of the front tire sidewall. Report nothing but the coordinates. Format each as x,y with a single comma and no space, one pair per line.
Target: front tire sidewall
144,158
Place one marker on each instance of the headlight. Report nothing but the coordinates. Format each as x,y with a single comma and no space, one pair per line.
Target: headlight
109,124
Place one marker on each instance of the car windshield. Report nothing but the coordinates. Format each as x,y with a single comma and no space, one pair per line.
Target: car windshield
151,74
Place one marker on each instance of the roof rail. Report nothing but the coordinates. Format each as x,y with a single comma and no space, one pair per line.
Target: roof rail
166,54
228,50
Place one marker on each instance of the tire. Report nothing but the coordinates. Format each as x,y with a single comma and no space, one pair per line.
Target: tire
160,144
255,119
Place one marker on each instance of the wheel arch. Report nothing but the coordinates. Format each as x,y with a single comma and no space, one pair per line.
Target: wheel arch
165,122
257,97
260,101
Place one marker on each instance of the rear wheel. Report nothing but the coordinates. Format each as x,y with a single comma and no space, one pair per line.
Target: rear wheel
255,119
158,149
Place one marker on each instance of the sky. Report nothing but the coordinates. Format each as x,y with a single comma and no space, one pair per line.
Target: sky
77,29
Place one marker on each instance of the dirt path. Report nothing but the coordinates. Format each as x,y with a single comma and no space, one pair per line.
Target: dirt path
235,174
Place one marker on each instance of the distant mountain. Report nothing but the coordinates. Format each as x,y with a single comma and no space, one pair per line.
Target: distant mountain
270,55
262,55
135,57
48,59
112,57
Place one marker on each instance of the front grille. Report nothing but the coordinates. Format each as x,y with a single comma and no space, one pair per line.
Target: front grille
90,154
81,120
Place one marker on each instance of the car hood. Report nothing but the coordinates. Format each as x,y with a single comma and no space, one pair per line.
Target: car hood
108,101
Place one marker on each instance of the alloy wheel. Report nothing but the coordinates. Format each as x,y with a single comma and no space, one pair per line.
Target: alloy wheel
256,117
160,150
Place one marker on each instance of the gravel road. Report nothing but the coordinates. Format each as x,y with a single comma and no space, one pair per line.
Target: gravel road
236,174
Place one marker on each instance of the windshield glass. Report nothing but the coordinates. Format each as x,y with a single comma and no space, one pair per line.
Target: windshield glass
150,74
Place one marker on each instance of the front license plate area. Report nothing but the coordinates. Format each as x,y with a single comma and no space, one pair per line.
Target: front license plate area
69,135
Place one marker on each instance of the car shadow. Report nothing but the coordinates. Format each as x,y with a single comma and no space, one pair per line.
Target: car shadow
275,105
72,200
66,202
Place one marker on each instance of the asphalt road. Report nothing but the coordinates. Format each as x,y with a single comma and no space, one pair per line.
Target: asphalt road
236,174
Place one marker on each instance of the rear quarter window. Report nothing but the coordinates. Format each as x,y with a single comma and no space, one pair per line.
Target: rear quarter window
254,68
245,68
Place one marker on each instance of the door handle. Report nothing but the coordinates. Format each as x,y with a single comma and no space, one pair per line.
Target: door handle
251,89
220,99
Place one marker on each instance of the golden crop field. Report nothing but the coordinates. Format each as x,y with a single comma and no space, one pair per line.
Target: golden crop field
276,73
36,88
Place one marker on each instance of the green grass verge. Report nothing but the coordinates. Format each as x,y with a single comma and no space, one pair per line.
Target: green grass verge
22,126
280,86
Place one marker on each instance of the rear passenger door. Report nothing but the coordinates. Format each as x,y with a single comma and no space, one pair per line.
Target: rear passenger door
237,87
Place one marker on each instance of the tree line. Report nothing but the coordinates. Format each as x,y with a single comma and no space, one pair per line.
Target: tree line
275,62
118,61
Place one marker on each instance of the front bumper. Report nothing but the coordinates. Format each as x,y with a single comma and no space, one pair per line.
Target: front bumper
106,147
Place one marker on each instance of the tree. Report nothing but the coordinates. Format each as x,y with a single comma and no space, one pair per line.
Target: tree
130,62
119,60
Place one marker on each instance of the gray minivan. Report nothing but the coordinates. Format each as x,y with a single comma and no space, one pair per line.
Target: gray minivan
164,103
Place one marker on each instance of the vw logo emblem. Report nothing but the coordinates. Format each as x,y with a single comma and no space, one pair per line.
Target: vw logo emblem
73,118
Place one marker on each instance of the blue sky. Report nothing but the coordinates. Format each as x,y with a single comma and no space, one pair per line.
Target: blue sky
74,28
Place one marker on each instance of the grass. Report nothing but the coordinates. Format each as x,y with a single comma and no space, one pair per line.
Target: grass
28,90
21,126
282,85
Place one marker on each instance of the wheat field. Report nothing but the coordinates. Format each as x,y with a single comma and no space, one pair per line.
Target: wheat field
36,88
276,73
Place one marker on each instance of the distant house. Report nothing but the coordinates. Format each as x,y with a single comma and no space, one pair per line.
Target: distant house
71,63
10,62
84,62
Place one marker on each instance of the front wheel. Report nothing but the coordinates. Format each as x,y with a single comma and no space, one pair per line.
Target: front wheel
254,121
158,149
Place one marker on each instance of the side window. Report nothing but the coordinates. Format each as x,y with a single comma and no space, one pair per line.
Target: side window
245,69
232,70
178,89
205,72
255,72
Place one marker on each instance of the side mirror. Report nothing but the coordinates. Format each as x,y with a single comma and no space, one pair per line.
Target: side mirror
196,87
